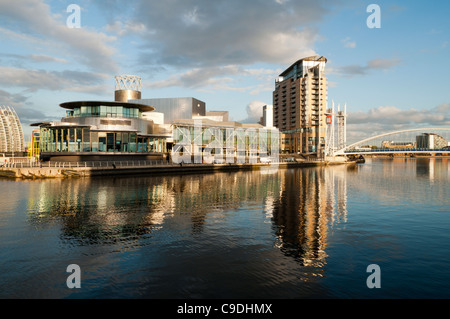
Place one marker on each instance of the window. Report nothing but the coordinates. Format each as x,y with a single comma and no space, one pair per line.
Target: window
78,140
103,111
85,111
71,138
101,142
125,138
133,140
95,110
128,112
110,142
86,140
94,140
118,142
58,140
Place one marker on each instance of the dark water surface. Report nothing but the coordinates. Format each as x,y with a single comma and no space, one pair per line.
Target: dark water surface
297,233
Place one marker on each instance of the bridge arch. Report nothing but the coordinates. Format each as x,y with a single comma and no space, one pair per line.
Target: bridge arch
433,130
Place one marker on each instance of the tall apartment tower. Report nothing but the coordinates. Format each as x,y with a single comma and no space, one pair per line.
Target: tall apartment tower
300,100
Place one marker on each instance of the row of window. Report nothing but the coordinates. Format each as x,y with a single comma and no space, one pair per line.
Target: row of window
105,111
224,135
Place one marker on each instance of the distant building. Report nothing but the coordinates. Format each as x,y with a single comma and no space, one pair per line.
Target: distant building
397,145
300,100
11,133
431,141
267,118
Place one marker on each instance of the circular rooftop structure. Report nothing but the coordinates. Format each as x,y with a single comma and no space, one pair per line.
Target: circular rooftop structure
128,82
77,104
127,87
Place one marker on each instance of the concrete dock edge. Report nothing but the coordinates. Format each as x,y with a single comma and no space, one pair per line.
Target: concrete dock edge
53,172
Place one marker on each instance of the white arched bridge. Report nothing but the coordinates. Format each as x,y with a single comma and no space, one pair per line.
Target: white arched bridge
411,141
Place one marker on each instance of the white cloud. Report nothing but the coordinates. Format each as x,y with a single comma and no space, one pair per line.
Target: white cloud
389,115
254,111
225,32
192,17
46,58
382,64
348,43
33,80
356,69
33,22
207,79
385,119
26,112
197,77
125,28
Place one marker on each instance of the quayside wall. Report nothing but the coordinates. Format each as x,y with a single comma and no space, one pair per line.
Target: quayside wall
113,170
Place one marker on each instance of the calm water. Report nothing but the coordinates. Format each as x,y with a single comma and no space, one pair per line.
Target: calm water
298,233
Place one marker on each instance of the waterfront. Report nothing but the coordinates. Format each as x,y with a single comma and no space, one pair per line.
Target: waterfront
288,233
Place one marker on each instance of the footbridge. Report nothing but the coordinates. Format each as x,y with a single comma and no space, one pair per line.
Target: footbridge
410,141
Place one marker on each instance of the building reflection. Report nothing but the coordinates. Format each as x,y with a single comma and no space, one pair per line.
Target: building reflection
310,202
100,210
432,168
299,204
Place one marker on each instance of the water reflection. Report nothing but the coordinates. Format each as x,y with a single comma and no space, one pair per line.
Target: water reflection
310,202
104,209
412,178
300,204
243,234
432,168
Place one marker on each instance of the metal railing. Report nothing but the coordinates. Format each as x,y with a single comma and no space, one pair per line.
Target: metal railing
399,150
97,164
121,164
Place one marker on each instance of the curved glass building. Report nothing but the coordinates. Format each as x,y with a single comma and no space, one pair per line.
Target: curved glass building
11,133
104,130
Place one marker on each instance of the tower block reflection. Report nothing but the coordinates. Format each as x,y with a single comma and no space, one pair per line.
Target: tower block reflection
305,210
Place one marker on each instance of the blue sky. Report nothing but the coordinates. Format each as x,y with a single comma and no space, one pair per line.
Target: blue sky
228,54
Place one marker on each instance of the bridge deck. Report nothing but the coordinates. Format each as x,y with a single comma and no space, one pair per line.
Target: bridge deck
403,150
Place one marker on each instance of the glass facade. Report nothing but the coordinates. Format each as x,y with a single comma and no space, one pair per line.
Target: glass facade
236,142
104,111
82,139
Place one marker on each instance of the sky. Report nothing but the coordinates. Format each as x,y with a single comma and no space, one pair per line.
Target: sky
228,53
